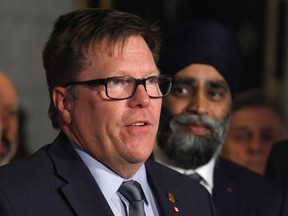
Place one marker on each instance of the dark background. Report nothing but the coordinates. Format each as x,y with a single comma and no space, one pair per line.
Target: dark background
247,17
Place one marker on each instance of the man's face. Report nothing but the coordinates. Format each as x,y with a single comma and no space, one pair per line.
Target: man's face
252,132
118,133
195,116
9,120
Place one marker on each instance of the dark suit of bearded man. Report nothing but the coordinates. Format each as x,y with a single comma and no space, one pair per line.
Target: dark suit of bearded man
239,192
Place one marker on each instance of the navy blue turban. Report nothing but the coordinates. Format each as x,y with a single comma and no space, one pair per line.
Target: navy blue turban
204,42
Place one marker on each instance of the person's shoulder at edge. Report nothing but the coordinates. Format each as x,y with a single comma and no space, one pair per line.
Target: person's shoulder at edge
24,166
242,174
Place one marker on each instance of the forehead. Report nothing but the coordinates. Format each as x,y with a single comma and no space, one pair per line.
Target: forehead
256,119
257,115
200,73
121,57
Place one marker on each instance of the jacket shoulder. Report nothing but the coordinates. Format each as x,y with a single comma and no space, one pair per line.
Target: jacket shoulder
30,166
236,187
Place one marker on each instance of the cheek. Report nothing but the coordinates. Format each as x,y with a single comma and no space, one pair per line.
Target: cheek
220,111
175,107
12,128
267,148
234,148
157,107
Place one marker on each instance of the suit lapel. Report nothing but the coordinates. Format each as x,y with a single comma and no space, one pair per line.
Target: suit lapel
81,191
166,202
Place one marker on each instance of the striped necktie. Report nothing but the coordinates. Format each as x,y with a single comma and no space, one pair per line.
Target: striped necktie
133,192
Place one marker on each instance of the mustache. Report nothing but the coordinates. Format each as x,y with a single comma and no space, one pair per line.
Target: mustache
190,119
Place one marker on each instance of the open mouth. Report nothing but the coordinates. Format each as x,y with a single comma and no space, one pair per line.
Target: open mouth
139,124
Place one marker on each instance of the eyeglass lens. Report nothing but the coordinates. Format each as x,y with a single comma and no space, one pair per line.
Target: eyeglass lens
125,87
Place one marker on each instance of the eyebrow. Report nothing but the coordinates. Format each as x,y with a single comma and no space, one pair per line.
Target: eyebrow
185,81
217,84
210,83
241,129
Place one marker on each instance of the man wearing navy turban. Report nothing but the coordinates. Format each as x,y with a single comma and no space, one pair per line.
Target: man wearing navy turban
206,60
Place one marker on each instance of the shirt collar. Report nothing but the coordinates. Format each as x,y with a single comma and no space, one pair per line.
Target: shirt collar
103,174
205,171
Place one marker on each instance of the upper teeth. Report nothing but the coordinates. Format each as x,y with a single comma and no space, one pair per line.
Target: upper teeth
139,124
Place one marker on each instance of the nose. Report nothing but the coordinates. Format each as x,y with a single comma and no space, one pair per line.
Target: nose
198,104
255,146
140,98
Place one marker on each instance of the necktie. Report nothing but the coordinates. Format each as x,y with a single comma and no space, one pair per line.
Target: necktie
132,191
195,177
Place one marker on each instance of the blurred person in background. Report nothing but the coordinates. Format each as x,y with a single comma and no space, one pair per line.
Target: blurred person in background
22,147
9,119
257,123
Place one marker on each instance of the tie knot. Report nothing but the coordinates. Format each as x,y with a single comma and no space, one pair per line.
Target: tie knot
195,177
132,191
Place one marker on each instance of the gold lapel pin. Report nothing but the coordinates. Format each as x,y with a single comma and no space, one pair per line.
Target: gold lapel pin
173,201
171,197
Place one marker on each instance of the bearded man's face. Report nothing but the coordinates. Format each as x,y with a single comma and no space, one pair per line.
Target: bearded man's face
195,116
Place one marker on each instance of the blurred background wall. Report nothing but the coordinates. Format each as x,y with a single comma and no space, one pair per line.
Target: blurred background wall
25,26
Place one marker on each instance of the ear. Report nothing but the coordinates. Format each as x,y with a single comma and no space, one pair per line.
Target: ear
61,100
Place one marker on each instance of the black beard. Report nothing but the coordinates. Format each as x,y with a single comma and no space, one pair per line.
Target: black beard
187,150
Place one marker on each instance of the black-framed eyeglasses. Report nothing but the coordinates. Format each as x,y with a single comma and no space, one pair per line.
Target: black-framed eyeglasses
123,87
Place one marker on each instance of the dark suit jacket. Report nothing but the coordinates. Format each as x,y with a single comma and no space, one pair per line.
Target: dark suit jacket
277,166
55,181
240,192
